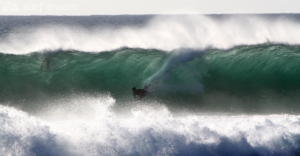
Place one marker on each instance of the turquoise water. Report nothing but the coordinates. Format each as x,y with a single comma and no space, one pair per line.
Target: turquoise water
259,75
217,85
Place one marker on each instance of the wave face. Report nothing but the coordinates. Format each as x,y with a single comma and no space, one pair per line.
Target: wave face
217,85
249,77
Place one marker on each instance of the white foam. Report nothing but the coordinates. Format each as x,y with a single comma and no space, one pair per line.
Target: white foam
163,32
21,134
88,126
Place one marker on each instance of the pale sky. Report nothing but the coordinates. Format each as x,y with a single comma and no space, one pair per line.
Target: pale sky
116,7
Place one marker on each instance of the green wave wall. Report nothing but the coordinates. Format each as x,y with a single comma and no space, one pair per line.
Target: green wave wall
252,75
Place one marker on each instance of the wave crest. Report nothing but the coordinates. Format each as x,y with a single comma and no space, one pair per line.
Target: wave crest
162,32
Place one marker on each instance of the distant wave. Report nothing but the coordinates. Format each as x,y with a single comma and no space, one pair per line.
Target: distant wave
162,32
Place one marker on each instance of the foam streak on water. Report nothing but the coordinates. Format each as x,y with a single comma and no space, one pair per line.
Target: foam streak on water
90,127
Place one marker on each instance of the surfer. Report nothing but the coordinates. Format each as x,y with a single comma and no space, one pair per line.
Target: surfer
47,62
48,58
141,93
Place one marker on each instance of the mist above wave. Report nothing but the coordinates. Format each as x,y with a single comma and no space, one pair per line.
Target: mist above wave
161,32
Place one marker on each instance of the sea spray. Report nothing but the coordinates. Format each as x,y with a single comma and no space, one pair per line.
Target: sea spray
154,32
227,85
160,79
149,129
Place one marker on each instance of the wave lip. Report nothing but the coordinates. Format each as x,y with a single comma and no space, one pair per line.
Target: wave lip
161,32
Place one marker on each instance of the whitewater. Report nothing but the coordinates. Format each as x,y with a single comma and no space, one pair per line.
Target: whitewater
163,32
217,85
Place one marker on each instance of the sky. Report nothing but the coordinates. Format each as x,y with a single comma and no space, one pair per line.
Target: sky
117,7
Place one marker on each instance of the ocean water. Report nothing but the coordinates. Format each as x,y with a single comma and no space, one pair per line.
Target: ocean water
217,85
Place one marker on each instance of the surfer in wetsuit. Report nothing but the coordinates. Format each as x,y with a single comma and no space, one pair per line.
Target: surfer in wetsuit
47,62
48,58
139,92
